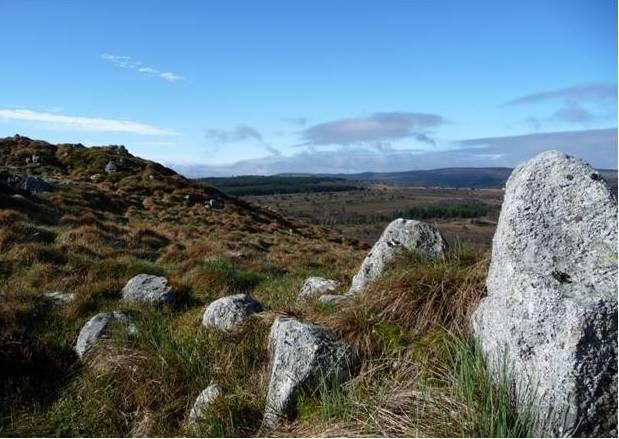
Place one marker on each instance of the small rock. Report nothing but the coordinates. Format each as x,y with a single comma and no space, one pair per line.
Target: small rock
228,313
149,289
315,286
96,328
60,297
302,354
401,234
111,167
96,177
203,401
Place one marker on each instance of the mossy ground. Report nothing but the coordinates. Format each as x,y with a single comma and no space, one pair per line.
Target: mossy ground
420,374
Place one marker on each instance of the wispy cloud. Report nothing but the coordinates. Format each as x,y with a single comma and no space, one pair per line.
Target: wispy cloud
80,123
238,134
127,62
378,127
596,146
593,91
574,112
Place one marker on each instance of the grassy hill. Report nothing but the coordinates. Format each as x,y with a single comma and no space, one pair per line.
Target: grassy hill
420,373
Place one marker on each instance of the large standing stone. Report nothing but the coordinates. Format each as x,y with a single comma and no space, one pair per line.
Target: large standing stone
229,312
315,286
149,289
401,234
301,355
96,328
551,309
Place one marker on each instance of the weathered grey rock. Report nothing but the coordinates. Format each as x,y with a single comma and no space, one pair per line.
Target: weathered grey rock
229,312
399,235
148,288
60,297
97,327
301,355
111,167
551,309
333,299
27,183
315,286
203,401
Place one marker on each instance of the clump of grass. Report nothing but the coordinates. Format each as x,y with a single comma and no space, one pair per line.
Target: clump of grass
390,397
416,296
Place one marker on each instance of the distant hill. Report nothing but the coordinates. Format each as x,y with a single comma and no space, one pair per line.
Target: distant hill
277,184
452,177
300,183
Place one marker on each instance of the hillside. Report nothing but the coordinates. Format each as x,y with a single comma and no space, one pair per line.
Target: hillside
79,226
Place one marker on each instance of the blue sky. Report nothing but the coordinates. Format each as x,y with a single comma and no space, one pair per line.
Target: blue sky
224,88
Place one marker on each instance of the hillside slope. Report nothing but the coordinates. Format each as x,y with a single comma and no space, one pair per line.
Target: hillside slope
84,221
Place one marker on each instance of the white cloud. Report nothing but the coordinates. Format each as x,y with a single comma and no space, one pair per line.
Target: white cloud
168,76
84,123
126,62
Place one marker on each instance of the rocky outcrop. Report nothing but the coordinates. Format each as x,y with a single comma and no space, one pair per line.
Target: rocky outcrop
148,288
315,286
26,183
302,354
202,403
401,234
551,309
228,313
96,328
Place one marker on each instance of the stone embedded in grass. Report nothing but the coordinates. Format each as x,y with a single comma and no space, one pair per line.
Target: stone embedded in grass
96,328
229,312
148,288
111,167
202,403
302,355
551,309
401,234
60,297
315,286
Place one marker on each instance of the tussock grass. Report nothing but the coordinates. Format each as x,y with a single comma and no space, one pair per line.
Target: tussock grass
416,296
